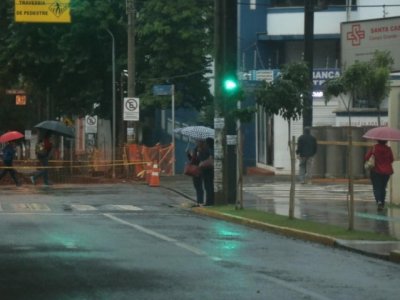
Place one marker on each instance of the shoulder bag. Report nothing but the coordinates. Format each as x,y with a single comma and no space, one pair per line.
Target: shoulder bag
191,170
370,163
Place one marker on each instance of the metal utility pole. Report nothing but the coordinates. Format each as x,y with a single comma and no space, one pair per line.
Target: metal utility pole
308,57
218,101
114,137
225,41
130,10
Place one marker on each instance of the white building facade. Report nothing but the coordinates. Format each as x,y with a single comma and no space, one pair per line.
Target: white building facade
275,37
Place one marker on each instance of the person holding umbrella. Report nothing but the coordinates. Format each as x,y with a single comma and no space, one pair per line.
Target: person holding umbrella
202,156
8,157
381,171
43,151
383,158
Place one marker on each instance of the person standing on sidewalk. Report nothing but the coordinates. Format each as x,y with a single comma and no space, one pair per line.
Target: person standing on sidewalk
200,154
43,151
382,170
306,149
8,157
207,171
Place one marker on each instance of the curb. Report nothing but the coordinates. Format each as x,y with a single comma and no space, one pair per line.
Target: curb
393,256
286,231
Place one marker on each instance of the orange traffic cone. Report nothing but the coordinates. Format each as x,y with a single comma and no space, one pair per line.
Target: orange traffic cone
149,170
155,176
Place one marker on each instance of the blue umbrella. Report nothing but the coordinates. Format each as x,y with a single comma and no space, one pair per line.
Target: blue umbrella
57,128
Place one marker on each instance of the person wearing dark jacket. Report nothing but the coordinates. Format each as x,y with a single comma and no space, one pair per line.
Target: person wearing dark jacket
306,149
8,157
202,156
381,172
43,157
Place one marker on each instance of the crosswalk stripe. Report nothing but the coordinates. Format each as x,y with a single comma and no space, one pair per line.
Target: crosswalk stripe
83,207
308,192
30,207
40,207
122,207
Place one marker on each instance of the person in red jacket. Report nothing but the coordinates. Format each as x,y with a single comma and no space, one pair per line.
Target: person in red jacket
382,170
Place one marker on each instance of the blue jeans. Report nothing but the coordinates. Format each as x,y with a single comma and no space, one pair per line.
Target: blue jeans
305,168
379,184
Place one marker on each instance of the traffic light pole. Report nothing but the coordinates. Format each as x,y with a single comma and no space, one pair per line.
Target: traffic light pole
225,181
219,121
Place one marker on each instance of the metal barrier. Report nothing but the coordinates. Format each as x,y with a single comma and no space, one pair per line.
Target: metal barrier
91,168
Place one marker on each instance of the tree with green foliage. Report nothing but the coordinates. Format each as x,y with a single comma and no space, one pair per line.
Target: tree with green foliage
349,86
66,68
378,80
174,41
285,97
361,80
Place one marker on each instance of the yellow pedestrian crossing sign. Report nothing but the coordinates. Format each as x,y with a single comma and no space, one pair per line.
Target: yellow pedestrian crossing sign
42,11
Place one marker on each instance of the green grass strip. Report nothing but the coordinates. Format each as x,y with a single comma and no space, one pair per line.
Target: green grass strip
305,225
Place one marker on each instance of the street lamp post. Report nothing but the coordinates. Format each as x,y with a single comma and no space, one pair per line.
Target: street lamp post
132,136
308,57
113,102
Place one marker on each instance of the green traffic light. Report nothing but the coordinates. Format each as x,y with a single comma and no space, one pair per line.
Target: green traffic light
230,84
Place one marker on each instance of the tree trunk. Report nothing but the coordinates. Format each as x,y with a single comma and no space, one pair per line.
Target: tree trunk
350,179
293,178
292,147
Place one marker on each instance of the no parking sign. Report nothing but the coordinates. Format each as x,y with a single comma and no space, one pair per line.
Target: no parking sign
131,109
91,124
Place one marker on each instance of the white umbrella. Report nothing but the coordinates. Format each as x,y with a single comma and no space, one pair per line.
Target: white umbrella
197,132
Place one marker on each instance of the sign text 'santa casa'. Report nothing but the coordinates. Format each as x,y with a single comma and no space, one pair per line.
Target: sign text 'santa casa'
42,11
360,39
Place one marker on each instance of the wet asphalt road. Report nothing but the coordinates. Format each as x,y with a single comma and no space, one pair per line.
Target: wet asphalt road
127,241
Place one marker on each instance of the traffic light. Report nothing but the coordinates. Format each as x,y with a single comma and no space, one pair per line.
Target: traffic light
230,85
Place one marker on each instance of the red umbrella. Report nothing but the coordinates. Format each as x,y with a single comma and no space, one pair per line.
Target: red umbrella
383,134
10,136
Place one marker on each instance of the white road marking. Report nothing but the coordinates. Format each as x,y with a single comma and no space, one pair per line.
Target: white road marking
200,252
121,207
30,207
40,207
83,207
158,235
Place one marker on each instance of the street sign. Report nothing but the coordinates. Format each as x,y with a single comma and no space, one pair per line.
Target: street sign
15,92
131,109
28,134
231,139
360,39
90,124
162,90
45,11
20,99
219,123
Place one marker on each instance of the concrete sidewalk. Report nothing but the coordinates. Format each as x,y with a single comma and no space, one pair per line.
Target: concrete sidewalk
322,201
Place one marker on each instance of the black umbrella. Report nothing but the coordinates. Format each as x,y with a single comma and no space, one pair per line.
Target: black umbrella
57,128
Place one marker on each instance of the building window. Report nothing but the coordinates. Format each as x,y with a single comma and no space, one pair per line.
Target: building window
363,103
